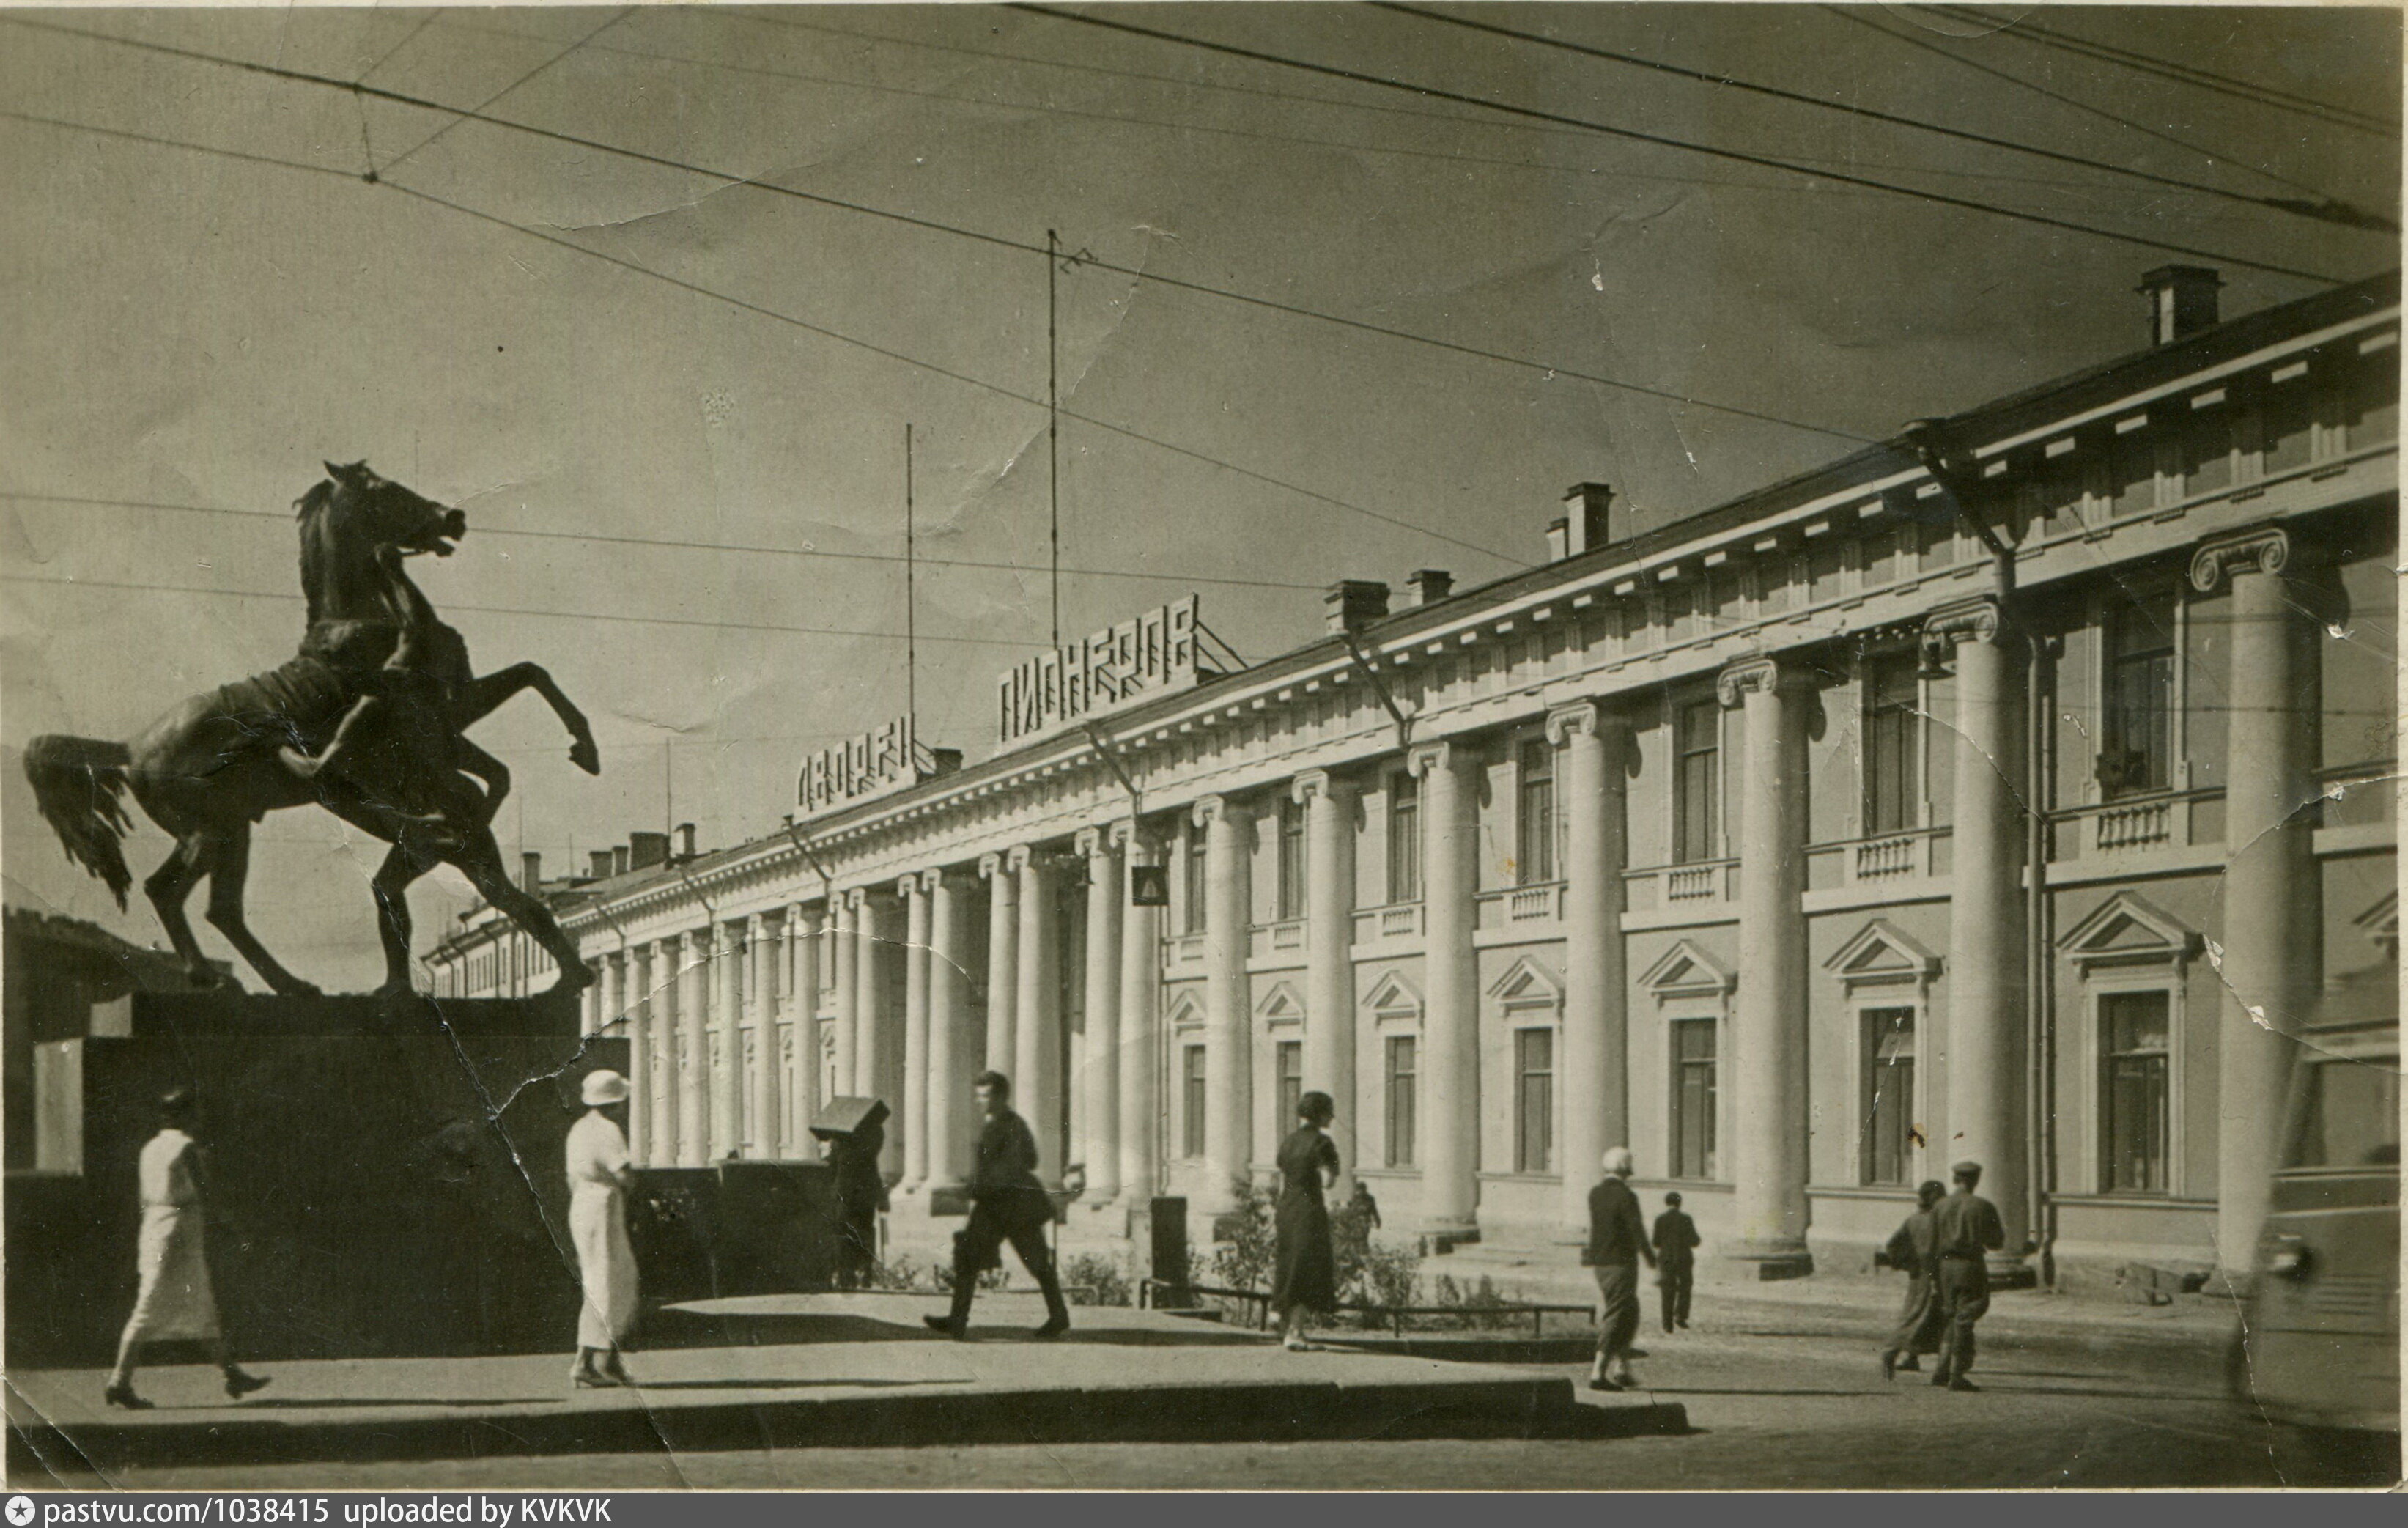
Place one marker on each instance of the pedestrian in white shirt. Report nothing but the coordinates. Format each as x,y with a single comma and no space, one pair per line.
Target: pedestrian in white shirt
599,1176
176,1302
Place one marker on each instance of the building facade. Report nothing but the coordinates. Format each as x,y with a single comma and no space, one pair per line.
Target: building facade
2003,792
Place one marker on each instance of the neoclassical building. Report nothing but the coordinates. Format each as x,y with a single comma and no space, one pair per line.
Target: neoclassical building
2003,792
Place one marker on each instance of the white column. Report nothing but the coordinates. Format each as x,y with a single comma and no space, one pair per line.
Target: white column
609,997
1594,745
876,1051
667,1054
803,1022
768,968
1037,1031
637,998
1002,961
1229,1061
914,1107
1140,1025
845,950
590,1005
1450,1022
728,960
953,1038
1768,1114
694,1049
1099,1144
1329,960
2272,899
1989,1062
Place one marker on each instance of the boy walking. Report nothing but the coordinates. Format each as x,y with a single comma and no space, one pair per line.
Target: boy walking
1676,1244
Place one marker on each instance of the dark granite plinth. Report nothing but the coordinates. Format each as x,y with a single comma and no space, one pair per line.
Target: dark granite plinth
384,1176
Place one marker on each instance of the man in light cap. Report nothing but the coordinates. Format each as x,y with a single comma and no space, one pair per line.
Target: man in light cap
599,1176
1964,1227
1617,1239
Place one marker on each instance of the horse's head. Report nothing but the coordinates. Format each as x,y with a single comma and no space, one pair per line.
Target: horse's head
368,511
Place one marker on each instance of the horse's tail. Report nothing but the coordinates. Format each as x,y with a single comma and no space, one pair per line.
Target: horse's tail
79,783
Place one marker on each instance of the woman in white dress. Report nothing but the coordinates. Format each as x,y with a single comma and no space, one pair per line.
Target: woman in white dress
176,1302
599,1175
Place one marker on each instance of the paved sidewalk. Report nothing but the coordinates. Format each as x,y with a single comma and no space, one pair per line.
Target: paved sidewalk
812,1371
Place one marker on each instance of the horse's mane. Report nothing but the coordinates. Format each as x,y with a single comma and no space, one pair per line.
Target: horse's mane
311,510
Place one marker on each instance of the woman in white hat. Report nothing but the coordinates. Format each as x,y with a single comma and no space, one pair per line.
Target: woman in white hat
599,1175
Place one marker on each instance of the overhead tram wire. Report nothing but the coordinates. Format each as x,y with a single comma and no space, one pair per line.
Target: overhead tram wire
2183,74
2331,210
733,181
734,548
741,304
516,610
2019,82
1661,140
431,138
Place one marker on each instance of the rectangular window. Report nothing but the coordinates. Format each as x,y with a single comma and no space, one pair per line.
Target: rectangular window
1693,1098
1696,746
1400,1100
1534,1100
1192,918
1892,739
1534,862
2139,721
1889,1095
1404,838
1191,1116
1288,1062
1291,858
2132,1034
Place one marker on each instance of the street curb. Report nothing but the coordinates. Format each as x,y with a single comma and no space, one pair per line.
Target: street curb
1241,1412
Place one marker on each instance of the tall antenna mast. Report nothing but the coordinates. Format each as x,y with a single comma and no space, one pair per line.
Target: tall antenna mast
1053,437
668,808
910,604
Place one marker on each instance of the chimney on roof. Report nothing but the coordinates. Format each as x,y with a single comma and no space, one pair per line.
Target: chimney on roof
619,860
1429,585
685,840
600,860
530,871
1354,603
1588,523
2182,301
645,850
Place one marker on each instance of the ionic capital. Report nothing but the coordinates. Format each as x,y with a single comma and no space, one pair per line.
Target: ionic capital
2260,549
1974,620
1424,760
1753,676
934,881
1209,810
1131,839
1320,784
1585,720
1024,859
993,866
906,886
1094,842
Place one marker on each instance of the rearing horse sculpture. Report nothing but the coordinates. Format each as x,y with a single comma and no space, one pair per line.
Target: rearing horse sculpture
209,770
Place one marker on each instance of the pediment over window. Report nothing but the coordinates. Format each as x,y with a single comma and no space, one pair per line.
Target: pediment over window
1882,955
1394,997
1684,971
1527,984
1280,1005
2381,923
1186,1011
2130,931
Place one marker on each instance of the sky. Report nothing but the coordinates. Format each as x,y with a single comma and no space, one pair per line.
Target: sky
668,332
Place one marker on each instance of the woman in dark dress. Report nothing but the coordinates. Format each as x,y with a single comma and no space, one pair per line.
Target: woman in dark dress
1306,1276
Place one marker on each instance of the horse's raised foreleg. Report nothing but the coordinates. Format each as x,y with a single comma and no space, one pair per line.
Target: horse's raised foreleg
480,697
391,889
480,860
169,887
229,866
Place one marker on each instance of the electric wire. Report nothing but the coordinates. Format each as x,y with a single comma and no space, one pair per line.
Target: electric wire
740,303
1661,140
2330,210
729,180
2024,30
436,136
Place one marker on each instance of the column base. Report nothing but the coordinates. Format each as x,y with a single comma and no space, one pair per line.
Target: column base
1772,1260
2011,1271
1444,1237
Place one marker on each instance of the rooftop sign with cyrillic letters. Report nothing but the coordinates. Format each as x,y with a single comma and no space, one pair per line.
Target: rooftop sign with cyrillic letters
1157,652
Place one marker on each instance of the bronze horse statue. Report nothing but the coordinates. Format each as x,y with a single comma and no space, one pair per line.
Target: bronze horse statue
210,769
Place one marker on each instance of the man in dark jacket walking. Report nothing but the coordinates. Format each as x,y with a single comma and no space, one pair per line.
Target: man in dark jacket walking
1007,1202
1913,1250
1617,1239
1676,1245
1964,1228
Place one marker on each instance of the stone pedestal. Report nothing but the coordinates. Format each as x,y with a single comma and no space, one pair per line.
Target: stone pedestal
385,1178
